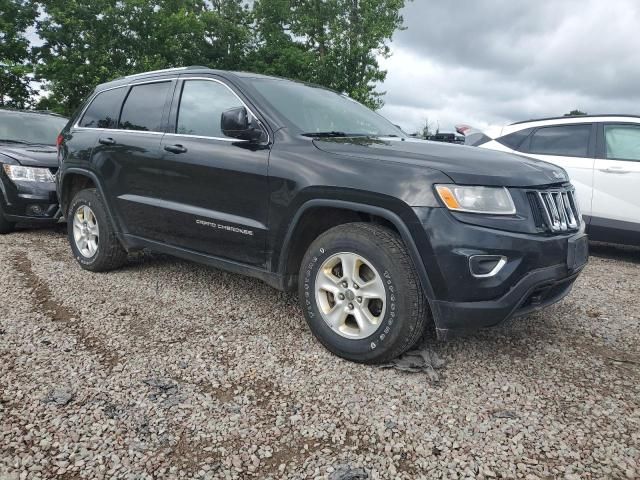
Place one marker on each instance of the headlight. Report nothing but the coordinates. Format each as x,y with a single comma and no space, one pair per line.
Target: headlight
487,200
28,174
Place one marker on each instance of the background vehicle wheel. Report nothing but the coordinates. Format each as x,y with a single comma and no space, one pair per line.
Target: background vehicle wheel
91,235
360,293
5,225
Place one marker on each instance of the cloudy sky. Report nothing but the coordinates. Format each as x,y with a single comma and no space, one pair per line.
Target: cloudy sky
493,62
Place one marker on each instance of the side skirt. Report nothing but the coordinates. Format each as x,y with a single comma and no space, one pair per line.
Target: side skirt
613,231
274,280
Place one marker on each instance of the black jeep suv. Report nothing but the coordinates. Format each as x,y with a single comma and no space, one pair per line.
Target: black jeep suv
305,188
27,167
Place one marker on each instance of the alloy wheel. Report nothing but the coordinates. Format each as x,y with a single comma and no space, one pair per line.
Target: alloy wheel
86,231
351,296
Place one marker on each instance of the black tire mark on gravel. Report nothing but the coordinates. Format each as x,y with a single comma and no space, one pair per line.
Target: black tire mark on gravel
43,302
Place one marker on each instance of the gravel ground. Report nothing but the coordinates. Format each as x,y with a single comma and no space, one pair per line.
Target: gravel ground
167,369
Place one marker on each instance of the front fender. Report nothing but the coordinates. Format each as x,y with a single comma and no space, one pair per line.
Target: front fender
406,227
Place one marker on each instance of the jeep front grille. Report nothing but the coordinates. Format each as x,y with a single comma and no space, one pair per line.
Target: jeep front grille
555,210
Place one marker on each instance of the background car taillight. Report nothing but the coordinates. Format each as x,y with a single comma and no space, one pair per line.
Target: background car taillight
59,141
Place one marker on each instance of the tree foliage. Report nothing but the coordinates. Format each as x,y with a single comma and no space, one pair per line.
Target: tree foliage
335,43
16,16
575,113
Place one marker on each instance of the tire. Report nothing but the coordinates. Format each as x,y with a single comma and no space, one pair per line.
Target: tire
103,250
5,225
400,310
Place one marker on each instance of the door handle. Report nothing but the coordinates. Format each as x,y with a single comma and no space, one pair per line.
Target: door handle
175,148
614,170
106,141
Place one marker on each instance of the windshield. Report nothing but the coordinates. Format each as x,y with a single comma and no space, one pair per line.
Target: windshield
30,128
315,110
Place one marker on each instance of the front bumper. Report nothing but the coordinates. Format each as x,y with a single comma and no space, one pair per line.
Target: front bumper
534,291
540,269
28,202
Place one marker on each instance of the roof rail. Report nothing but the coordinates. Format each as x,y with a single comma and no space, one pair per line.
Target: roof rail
624,115
163,71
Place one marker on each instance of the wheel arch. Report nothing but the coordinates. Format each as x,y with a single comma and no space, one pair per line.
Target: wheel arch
356,210
75,179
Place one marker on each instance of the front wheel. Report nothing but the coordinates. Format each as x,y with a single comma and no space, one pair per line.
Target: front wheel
93,240
360,293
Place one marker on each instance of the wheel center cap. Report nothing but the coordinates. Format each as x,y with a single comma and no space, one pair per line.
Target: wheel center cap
350,295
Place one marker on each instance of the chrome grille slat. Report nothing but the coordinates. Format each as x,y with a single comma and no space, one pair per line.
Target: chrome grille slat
559,209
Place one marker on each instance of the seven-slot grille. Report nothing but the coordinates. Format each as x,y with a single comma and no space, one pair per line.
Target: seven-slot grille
556,210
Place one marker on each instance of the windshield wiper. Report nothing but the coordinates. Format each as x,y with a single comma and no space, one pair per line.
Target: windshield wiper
9,140
332,133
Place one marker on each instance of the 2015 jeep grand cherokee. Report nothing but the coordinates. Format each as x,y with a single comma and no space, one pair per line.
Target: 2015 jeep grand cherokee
305,188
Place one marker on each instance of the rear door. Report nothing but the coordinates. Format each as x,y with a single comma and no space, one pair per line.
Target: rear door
616,186
572,147
126,158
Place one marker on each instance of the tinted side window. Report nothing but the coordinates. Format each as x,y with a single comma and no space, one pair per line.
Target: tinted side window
201,106
104,109
514,140
622,142
567,140
143,107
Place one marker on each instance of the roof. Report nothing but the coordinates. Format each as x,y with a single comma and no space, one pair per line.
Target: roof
195,69
568,117
31,112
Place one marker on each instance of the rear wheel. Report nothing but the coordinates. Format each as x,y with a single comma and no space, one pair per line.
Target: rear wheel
93,240
5,225
360,293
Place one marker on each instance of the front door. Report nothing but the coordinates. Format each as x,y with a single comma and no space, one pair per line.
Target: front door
213,188
616,185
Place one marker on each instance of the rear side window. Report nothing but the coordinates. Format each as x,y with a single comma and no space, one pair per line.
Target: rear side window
201,106
143,107
564,140
104,109
514,140
622,142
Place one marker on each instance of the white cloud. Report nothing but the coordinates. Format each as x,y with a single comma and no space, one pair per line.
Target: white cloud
498,61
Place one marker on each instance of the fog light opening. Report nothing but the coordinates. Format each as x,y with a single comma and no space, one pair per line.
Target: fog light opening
35,210
485,266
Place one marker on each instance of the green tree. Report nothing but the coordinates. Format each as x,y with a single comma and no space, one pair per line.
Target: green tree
335,43
274,50
87,43
16,16
574,113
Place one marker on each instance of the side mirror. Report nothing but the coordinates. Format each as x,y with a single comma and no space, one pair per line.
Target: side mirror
236,124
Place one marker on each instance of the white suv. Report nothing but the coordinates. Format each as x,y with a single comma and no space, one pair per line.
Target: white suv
601,153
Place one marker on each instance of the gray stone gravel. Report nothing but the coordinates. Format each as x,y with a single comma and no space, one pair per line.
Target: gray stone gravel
167,369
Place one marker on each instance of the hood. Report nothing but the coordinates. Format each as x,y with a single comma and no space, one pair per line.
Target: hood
464,165
31,155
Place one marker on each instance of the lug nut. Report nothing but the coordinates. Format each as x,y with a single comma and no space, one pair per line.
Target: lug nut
351,306
356,286
345,284
341,296
359,299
